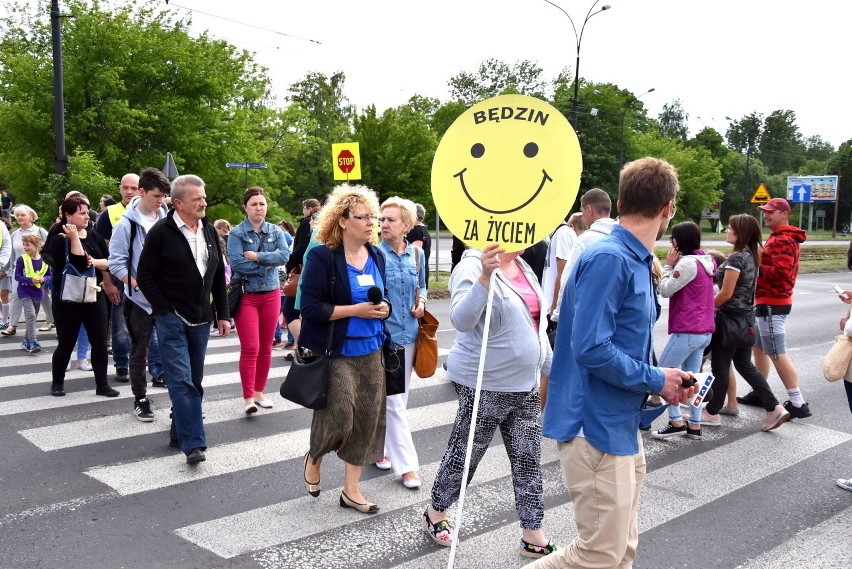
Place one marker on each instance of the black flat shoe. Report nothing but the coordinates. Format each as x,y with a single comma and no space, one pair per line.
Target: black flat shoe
195,456
367,508
57,391
107,392
313,489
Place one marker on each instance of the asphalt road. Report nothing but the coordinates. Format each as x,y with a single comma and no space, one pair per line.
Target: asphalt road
85,485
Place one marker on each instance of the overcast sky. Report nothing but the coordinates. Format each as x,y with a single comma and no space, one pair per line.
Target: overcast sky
720,58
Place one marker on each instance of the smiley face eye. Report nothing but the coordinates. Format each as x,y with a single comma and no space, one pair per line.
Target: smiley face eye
531,149
477,150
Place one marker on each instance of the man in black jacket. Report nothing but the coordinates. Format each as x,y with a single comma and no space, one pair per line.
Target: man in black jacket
180,267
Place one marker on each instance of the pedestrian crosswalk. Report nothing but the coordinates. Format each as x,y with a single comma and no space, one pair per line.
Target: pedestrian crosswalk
109,491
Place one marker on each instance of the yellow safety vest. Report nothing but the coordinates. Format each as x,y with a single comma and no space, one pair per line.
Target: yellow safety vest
115,211
32,273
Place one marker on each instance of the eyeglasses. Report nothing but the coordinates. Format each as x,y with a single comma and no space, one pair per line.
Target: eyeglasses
388,219
369,218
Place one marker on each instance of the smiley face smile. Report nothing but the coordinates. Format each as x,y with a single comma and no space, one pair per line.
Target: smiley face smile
545,177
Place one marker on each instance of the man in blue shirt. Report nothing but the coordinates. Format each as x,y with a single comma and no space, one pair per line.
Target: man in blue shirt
602,372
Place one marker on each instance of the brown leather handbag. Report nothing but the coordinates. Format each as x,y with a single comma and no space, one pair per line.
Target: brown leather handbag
292,283
426,353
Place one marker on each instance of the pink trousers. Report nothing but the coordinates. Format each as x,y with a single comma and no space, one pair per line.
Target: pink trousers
255,322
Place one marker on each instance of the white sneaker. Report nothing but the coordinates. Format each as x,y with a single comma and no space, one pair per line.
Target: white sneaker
84,365
845,484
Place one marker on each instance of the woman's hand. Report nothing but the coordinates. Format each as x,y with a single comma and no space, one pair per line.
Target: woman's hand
251,255
490,261
370,310
418,309
70,231
672,257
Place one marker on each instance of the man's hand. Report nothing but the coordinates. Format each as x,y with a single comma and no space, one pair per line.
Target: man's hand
673,390
224,327
111,290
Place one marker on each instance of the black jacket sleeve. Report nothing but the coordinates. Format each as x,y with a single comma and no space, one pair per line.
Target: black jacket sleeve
300,244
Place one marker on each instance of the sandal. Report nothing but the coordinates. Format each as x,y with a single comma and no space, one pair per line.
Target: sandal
441,532
536,551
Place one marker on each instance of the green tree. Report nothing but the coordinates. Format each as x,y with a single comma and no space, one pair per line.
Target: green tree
445,115
494,77
673,120
840,164
136,85
744,136
817,148
328,120
699,173
710,139
397,151
781,147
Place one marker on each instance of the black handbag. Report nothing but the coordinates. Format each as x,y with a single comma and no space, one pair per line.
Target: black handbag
393,361
306,383
235,294
734,329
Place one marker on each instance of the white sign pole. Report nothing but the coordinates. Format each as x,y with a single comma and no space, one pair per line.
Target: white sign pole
472,431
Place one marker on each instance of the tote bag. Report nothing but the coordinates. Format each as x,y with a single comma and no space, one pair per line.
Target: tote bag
80,287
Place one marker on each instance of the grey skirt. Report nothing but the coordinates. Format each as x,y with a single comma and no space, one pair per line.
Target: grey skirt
353,423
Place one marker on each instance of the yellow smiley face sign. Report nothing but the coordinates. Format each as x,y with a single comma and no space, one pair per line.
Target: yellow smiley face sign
506,171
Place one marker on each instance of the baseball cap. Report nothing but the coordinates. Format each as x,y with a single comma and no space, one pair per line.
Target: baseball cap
776,204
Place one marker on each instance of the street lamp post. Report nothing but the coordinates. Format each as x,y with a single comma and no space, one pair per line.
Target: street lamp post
578,38
631,99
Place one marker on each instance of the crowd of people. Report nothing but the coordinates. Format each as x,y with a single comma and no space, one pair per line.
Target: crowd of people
164,271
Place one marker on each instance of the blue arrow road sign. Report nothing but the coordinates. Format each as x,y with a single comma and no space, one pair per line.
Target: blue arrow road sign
235,165
801,193
258,165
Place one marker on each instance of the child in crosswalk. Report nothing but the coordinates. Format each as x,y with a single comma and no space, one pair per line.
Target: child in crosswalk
33,277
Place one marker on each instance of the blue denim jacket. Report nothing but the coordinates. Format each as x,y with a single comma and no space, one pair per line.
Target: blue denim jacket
602,371
272,250
401,280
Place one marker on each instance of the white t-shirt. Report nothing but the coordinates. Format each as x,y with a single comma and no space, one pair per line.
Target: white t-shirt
560,247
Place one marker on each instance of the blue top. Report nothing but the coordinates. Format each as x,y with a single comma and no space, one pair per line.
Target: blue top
363,335
325,284
272,251
402,280
602,372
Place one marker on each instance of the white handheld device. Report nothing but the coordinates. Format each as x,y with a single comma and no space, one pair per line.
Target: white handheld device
705,380
839,291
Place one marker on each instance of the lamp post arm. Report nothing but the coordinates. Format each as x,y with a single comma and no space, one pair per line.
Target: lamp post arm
589,16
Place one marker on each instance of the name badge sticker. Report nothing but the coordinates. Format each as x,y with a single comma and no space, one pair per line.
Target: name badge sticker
366,280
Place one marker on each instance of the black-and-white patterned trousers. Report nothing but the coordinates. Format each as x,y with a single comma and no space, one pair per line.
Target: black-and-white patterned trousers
517,416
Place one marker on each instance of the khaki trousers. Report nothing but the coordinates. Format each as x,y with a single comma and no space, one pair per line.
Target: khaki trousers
605,490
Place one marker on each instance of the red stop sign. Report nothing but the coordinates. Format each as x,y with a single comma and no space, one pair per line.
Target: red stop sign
345,161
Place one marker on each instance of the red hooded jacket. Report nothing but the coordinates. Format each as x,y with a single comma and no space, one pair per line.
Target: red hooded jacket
779,266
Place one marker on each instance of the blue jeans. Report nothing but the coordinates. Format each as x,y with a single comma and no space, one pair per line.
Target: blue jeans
120,337
155,361
685,351
182,349
82,344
